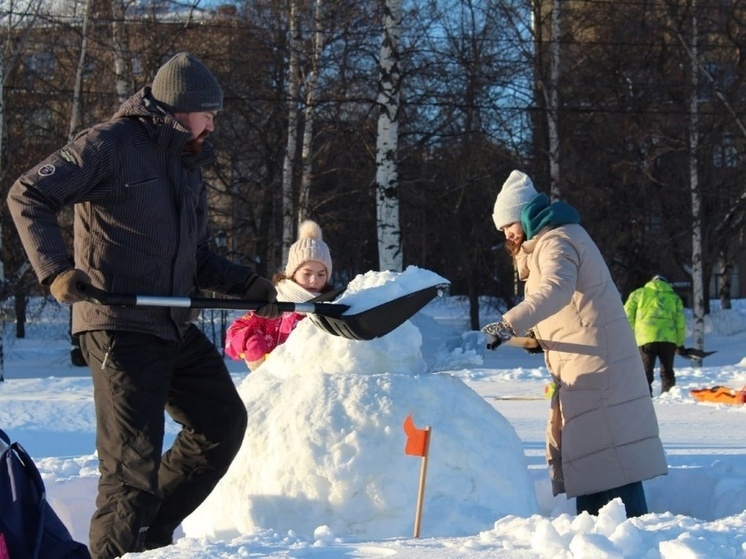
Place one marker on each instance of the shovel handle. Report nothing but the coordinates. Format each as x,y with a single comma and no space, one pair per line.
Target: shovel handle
524,342
98,296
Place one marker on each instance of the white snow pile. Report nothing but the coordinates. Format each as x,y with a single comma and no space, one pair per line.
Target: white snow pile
325,444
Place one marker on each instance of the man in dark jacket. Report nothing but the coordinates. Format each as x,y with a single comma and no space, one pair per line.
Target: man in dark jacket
141,227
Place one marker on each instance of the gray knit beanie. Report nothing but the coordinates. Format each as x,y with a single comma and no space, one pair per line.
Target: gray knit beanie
185,85
309,247
516,192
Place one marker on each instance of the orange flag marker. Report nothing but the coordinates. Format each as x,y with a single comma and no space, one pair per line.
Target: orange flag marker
416,438
418,444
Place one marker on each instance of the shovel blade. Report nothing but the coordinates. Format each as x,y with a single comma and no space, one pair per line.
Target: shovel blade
696,354
379,320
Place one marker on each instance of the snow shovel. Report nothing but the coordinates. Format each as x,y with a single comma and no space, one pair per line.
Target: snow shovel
366,325
694,354
526,342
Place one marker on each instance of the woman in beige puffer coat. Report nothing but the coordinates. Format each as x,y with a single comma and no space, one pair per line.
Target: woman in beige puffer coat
602,432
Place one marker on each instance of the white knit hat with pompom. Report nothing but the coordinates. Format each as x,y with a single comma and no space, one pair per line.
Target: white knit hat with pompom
309,247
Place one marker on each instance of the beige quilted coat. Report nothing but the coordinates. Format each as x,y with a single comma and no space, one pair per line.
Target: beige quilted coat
602,429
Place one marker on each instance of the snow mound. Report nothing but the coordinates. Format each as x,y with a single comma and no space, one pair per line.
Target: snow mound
325,446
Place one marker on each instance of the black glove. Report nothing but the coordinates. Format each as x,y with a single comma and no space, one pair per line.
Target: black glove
66,287
535,349
496,333
258,288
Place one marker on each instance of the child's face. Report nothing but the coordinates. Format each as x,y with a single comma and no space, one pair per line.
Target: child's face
311,276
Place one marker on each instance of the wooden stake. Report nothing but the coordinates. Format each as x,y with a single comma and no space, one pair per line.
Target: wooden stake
421,490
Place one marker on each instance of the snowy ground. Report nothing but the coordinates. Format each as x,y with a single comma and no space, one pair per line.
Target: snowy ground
355,437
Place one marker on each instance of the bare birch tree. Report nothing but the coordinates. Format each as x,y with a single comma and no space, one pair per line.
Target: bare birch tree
75,110
698,288
552,101
293,100
390,255
120,49
311,85
547,39
731,226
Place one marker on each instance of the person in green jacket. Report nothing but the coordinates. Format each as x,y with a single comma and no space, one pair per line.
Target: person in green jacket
656,314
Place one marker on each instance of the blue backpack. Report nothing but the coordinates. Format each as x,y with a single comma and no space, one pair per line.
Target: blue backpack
30,527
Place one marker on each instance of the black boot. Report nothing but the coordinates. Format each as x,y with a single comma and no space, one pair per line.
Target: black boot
667,384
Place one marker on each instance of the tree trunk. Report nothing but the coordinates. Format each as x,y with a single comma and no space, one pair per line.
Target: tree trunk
288,167
311,85
390,255
553,103
724,282
75,112
121,52
698,285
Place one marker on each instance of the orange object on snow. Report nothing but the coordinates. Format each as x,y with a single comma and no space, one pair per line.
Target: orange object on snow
417,439
720,395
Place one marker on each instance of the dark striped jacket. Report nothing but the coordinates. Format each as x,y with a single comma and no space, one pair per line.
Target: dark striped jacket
141,218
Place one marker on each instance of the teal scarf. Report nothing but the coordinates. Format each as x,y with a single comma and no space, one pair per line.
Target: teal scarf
539,213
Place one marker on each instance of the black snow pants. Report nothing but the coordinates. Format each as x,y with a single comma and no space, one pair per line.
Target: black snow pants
143,496
665,353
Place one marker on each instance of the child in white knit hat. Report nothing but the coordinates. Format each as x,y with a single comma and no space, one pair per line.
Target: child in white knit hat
306,276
